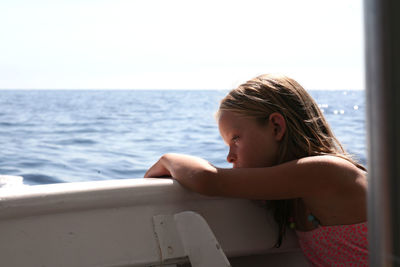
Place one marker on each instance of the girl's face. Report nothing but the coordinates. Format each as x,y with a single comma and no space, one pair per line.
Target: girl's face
250,145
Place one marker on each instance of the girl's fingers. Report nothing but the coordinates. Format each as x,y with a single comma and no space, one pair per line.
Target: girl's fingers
157,170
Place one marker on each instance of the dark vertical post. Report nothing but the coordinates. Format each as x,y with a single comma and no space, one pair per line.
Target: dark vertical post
382,32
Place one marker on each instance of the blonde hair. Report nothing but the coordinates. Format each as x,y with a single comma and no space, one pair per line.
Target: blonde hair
307,131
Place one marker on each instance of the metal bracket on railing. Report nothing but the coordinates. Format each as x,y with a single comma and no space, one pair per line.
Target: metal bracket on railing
187,235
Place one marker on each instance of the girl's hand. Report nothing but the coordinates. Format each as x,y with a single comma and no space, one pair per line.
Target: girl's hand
192,172
158,170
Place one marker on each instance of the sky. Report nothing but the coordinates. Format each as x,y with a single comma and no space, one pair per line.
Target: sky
173,44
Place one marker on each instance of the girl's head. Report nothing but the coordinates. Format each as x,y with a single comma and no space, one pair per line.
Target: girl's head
281,104
306,132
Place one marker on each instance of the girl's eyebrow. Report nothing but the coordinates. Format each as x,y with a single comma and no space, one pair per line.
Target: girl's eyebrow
228,136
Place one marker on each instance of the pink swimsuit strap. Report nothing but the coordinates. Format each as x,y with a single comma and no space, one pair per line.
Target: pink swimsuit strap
337,245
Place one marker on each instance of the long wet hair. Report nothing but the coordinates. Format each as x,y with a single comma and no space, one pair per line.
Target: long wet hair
307,132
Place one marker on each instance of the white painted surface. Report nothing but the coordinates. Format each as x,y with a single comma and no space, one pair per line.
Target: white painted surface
199,241
187,236
169,239
109,223
10,181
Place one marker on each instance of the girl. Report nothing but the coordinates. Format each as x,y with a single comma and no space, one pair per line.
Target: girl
283,150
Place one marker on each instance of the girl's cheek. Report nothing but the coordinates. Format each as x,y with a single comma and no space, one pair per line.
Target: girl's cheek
239,143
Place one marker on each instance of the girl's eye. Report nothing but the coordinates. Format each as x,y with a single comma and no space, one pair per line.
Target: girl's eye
235,138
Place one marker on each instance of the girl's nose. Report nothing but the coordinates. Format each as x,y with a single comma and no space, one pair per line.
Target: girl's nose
231,158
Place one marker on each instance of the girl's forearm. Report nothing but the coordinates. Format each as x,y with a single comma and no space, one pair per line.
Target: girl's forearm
194,173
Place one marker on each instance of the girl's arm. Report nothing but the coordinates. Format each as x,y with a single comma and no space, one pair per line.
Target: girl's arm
318,176
192,172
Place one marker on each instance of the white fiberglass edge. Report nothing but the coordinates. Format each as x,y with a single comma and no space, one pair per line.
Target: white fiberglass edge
110,223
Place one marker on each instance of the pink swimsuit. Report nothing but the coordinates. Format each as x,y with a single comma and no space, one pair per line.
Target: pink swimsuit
338,245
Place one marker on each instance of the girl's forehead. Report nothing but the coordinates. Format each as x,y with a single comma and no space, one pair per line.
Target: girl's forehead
232,120
227,117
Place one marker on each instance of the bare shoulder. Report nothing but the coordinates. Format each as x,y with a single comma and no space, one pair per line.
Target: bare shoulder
334,174
328,163
327,160
339,190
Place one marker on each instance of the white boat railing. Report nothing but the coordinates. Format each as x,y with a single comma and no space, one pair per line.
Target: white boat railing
118,223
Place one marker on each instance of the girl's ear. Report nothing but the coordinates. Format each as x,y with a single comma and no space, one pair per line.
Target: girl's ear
278,123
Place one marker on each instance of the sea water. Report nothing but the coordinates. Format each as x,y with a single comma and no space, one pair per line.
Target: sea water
52,136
